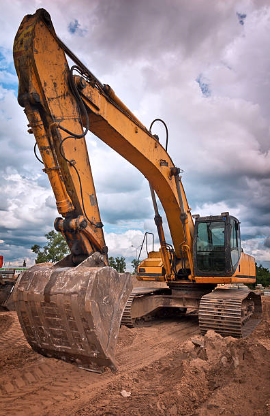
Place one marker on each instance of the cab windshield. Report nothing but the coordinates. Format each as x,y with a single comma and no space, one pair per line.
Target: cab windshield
211,246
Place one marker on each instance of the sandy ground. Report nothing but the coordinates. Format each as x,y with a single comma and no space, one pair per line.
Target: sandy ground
164,368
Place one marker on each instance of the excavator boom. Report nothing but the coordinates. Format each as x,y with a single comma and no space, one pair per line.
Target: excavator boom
62,101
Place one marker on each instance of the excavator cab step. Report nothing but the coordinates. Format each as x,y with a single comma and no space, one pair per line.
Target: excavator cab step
73,313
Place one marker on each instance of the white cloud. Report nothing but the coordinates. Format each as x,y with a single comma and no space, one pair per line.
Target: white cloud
255,246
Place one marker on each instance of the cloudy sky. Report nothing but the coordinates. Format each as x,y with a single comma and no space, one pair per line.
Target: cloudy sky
202,66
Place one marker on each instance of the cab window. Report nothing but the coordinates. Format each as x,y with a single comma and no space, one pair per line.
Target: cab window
211,246
235,242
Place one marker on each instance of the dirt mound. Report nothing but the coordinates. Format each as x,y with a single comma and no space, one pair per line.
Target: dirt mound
6,320
263,330
207,375
225,370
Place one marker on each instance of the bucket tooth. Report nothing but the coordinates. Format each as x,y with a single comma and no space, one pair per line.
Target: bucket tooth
73,313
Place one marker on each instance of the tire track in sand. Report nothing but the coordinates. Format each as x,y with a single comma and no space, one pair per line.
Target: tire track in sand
48,386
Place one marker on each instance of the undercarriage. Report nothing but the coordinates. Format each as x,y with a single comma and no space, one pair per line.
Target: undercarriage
228,311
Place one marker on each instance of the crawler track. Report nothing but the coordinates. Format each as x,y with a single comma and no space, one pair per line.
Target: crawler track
230,312
126,318
137,292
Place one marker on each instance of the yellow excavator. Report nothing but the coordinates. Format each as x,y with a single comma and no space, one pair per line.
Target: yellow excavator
72,310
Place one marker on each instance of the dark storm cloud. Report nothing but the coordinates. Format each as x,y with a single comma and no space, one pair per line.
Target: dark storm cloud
249,200
125,207
267,242
147,28
24,239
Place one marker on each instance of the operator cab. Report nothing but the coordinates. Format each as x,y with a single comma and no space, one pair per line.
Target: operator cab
217,245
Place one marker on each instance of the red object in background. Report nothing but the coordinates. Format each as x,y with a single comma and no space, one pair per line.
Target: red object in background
1,261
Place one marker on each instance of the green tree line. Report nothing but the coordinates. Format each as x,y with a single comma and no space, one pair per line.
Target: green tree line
263,275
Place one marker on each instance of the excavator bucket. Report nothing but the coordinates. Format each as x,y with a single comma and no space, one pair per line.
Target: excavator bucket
73,313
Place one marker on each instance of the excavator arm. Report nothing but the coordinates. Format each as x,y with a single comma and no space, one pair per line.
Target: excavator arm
55,119
60,103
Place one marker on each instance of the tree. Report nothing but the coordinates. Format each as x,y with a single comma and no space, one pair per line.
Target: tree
118,263
135,263
55,249
263,275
